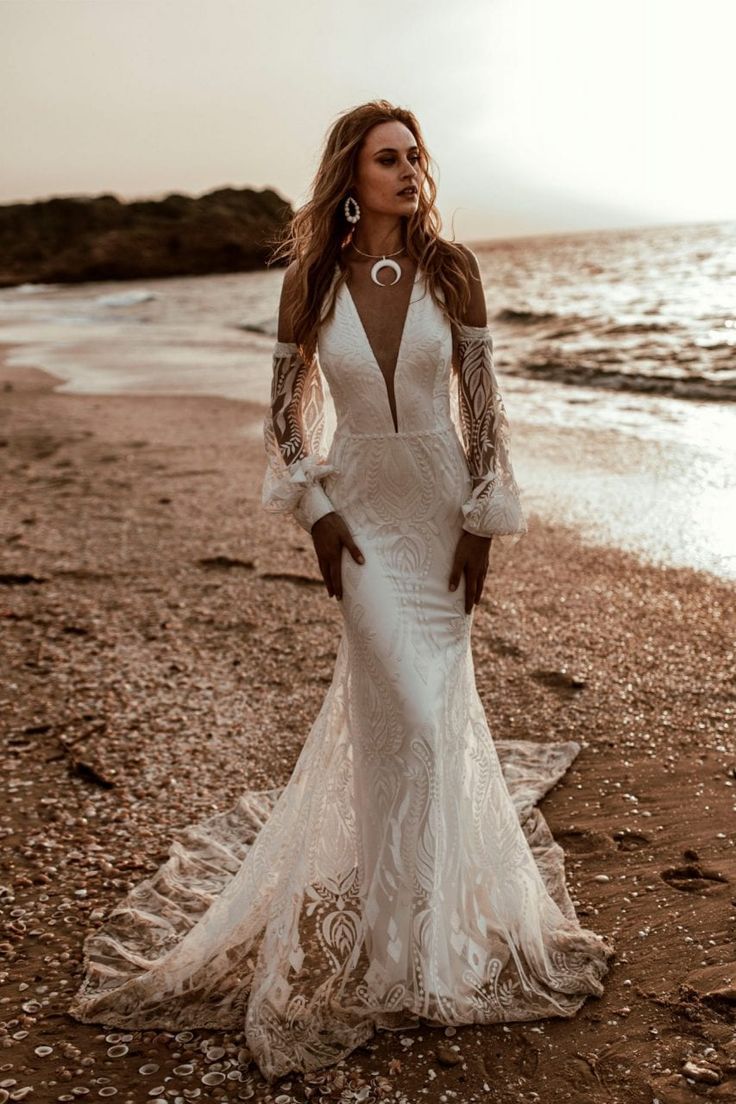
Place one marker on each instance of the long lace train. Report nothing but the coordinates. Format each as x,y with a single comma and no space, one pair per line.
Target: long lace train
242,927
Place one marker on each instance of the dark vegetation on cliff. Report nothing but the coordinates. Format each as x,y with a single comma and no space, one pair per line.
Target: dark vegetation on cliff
66,239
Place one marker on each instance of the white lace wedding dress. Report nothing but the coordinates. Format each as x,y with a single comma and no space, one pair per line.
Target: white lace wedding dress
404,870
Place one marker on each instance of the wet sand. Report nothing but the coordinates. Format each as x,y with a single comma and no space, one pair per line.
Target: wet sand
167,644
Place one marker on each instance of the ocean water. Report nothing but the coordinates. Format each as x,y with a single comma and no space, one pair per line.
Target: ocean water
647,310
616,351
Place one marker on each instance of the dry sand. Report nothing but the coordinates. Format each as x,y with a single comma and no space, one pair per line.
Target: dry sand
166,644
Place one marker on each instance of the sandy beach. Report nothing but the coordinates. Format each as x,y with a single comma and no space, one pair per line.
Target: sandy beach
167,644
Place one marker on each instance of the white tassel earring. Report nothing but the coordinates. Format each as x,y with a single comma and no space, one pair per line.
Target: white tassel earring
356,212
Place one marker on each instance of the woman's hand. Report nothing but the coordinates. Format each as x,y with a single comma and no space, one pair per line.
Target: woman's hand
471,559
329,534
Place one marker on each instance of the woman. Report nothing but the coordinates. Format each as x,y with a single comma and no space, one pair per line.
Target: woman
401,875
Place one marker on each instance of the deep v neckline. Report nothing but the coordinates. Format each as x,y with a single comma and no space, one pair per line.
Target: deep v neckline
388,390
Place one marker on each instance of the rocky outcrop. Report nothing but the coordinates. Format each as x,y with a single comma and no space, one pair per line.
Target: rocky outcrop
71,238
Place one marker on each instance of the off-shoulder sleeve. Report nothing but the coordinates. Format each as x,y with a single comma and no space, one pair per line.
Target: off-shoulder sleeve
293,432
494,507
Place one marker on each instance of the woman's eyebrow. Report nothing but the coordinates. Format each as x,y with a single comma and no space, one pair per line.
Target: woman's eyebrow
390,149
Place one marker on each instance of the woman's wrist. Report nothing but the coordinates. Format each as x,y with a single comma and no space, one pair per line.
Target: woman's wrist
480,536
330,513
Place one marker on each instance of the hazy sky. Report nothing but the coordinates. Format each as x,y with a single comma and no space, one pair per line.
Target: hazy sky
541,115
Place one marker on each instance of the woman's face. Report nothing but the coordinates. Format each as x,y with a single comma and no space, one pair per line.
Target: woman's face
388,162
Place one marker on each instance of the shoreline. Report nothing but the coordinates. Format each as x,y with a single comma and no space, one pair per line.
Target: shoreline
168,644
617,470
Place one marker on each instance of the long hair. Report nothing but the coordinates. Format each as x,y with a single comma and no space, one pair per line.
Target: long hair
318,231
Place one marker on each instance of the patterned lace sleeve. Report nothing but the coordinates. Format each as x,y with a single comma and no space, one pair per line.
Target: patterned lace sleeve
494,507
293,431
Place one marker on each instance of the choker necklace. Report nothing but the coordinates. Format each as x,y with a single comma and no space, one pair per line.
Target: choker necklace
383,262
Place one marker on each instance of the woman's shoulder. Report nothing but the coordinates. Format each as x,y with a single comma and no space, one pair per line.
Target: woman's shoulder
475,313
285,331
470,257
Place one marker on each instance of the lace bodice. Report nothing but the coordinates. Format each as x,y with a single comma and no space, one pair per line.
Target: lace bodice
343,392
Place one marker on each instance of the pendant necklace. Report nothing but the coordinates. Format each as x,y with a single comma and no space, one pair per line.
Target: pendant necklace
384,261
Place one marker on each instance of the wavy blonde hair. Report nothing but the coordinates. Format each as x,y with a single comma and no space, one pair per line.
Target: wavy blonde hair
318,231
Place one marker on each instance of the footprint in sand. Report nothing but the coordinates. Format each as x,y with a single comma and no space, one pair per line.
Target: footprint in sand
289,577
581,841
22,578
626,840
224,562
561,681
693,878
506,647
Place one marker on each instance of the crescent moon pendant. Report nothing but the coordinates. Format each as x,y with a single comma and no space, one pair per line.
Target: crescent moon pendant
385,262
